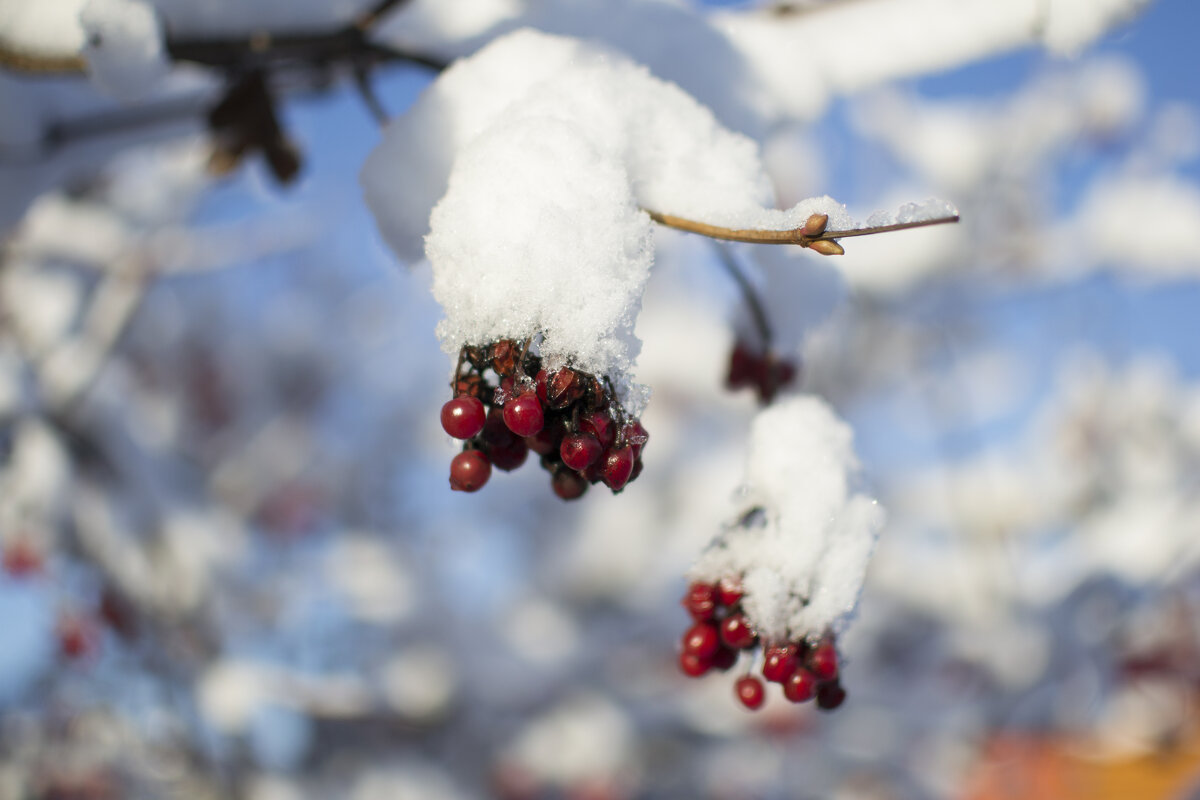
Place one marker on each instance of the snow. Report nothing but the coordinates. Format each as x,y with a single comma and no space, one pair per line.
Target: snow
124,47
803,560
546,149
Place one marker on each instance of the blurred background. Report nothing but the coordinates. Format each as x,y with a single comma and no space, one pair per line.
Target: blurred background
232,566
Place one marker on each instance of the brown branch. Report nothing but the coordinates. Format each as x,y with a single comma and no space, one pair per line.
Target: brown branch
15,60
802,236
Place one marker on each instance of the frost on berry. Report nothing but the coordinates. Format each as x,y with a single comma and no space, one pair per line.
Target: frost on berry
785,575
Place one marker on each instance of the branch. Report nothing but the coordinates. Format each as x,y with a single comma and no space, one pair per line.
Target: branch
811,234
16,60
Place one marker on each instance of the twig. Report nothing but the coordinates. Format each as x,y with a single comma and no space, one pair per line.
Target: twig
362,80
757,313
794,236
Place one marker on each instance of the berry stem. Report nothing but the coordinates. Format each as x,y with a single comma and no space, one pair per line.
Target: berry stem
794,236
757,313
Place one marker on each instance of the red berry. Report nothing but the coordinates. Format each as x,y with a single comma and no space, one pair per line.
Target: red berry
743,365
523,414
21,559
618,467
724,658
701,639
463,417
700,601
539,387
510,457
750,691
634,435
729,591
800,686
600,425
830,695
823,663
779,662
737,633
580,450
693,665
469,471
564,388
568,485
76,637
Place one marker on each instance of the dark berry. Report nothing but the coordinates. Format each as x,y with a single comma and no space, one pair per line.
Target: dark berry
693,665
510,457
504,357
800,686
729,591
823,663
564,388
750,691
618,467
830,695
568,485
463,417
600,425
701,639
539,387
779,662
469,471
495,433
523,414
547,440
637,470
76,637
580,450
470,385
700,601
737,633
743,364
724,658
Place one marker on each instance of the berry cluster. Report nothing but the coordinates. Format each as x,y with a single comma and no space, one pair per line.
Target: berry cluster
721,630
571,419
765,372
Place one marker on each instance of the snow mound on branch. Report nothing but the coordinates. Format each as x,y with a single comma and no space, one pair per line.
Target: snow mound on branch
124,47
541,150
803,545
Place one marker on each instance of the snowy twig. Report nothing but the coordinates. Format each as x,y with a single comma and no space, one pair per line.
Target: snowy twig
798,236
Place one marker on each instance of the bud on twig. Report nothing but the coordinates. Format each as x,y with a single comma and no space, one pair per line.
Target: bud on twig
827,247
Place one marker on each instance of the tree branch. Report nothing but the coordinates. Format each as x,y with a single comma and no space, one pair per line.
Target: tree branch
804,236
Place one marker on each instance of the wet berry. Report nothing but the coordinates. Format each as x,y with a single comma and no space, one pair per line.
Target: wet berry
700,601
737,633
779,662
580,450
523,414
800,686
618,467
469,471
729,591
463,417
701,639
823,663
750,691
693,665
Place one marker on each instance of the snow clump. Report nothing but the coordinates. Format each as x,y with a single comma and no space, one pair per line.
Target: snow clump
540,153
804,540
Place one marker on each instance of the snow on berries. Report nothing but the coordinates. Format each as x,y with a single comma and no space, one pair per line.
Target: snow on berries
783,579
507,405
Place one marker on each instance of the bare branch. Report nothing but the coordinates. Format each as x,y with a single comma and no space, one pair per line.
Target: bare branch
753,304
15,60
801,236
